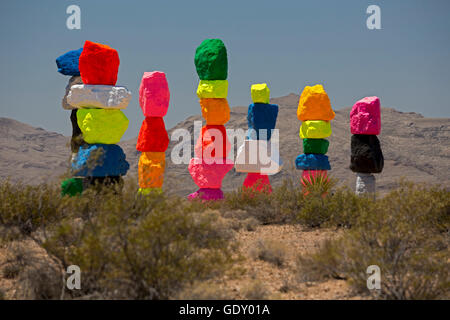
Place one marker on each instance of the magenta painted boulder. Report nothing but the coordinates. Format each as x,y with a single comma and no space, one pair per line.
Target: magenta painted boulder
209,175
365,117
154,95
207,194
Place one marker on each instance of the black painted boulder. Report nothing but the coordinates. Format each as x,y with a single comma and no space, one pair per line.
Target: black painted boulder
366,154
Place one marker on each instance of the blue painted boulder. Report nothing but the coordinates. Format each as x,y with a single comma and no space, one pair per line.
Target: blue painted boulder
100,160
312,161
68,63
262,117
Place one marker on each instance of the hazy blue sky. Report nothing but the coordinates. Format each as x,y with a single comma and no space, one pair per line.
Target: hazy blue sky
288,44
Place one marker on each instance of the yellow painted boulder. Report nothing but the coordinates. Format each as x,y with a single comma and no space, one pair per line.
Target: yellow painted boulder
215,111
212,89
315,129
314,104
151,169
260,93
102,125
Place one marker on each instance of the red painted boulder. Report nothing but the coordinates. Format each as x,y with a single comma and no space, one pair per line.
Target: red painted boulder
212,143
257,182
153,136
98,64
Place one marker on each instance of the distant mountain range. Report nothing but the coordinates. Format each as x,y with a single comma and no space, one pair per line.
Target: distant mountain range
414,147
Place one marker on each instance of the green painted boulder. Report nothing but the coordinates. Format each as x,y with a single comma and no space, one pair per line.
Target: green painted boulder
211,60
317,146
72,187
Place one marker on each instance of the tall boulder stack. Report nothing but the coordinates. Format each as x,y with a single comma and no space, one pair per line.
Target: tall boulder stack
153,139
253,156
210,164
366,155
97,122
315,112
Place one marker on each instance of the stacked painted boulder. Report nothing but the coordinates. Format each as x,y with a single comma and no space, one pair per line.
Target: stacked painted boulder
315,112
97,122
210,164
153,140
253,156
366,155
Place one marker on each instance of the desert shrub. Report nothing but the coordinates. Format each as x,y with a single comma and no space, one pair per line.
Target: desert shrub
255,290
204,291
128,246
406,234
279,206
25,208
269,250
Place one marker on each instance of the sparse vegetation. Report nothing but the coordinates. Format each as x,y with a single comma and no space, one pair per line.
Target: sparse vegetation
131,246
270,250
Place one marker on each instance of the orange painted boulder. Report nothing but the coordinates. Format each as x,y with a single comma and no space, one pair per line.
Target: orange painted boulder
314,104
151,169
215,111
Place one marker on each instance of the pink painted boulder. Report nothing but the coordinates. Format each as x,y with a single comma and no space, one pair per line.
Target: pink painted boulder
209,175
154,95
365,117
207,194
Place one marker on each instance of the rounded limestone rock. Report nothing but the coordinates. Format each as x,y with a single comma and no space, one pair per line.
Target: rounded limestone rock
261,116
151,169
314,104
209,175
260,93
212,89
154,94
68,63
98,64
312,162
153,136
315,129
211,60
215,111
100,160
212,143
319,146
365,116
98,96
102,125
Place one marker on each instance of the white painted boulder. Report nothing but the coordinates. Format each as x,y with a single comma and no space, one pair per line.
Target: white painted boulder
97,96
258,156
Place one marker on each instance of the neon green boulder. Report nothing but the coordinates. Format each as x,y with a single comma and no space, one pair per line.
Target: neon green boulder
315,129
102,125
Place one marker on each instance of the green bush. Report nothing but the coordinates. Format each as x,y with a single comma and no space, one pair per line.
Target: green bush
406,234
128,246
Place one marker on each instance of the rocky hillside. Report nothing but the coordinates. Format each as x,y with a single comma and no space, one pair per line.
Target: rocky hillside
414,147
